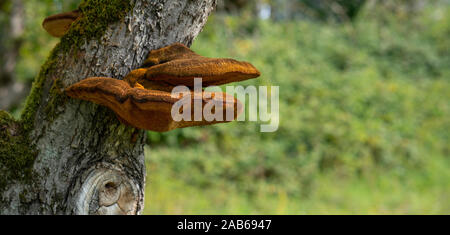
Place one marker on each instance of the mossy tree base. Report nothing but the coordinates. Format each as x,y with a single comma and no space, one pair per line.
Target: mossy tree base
67,156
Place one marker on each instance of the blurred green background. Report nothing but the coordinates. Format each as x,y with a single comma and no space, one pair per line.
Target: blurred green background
364,110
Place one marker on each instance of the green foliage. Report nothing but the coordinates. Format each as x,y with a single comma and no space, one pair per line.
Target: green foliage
364,114
338,9
37,43
423,192
364,121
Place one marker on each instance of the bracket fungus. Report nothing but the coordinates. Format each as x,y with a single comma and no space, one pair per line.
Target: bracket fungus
144,99
178,65
58,25
146,109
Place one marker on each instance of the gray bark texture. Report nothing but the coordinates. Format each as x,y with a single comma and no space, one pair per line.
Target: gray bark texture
87,162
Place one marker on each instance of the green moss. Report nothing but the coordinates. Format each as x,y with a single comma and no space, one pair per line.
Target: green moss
96,16
58,99
34,98
16,152
5,117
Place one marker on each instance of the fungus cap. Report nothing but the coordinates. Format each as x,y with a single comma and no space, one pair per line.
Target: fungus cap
179,65
173,52
214,72
58,25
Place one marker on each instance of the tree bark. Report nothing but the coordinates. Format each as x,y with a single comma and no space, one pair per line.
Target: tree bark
83,160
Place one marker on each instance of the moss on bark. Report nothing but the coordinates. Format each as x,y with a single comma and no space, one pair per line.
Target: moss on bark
96,15
16,152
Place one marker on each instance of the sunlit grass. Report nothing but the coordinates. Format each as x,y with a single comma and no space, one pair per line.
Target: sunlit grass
417,192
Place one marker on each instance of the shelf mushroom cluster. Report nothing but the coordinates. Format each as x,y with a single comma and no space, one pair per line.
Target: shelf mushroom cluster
143,99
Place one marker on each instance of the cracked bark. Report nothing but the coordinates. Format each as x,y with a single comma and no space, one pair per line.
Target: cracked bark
87,162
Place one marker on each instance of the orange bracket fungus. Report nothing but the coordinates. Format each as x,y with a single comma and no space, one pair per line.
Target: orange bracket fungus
58,25
144,99
179,65
147,109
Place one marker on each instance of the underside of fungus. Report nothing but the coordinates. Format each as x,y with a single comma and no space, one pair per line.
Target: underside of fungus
58,25
144,99
147,109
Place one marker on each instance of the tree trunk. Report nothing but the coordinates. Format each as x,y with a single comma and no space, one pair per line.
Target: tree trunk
67,156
